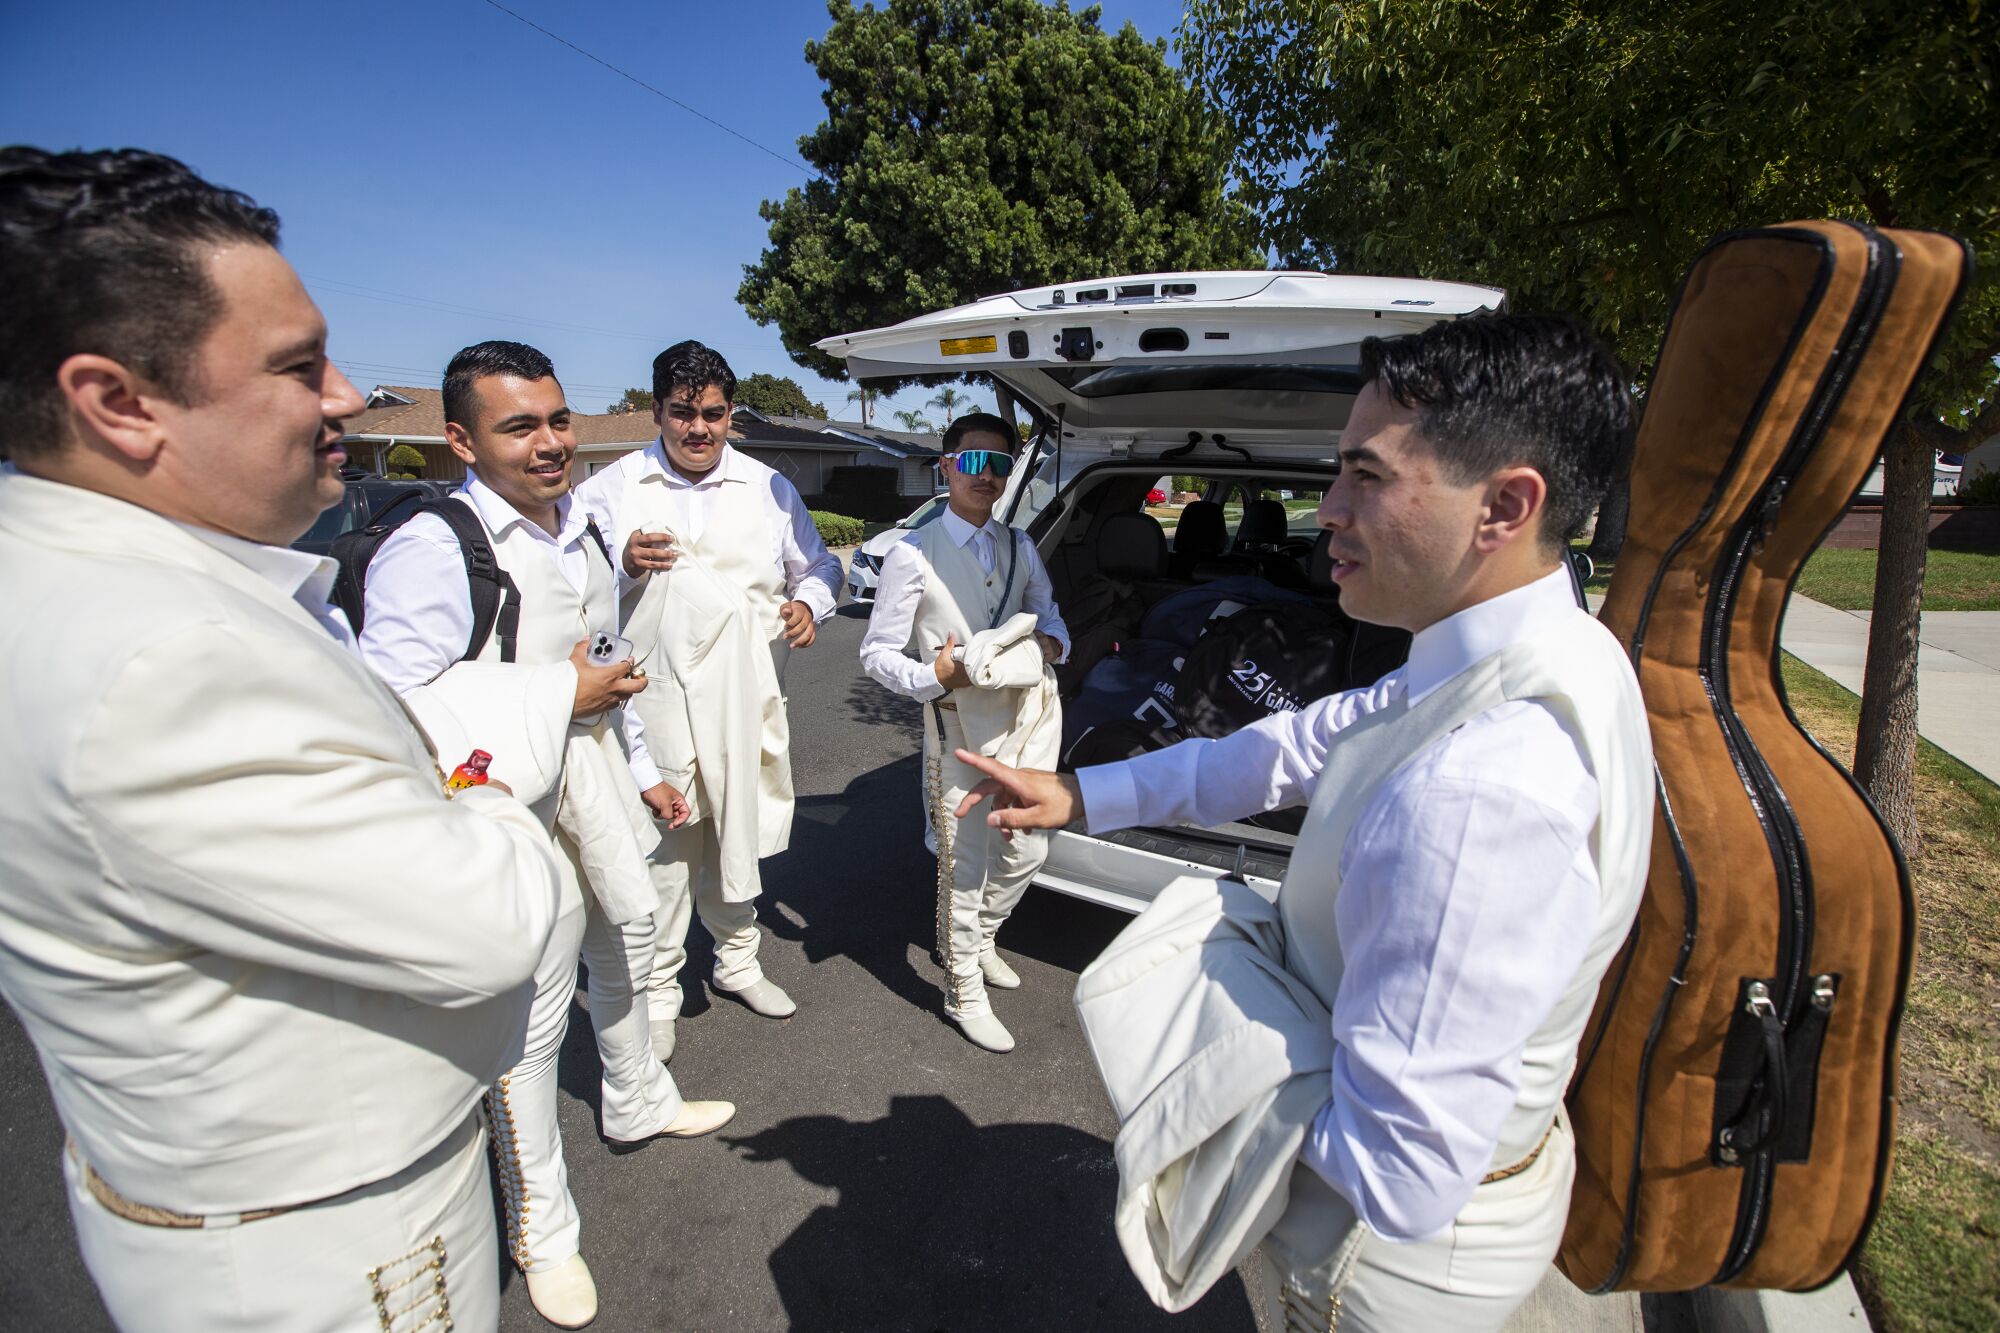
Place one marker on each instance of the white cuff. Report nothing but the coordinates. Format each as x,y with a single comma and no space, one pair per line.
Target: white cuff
645,773
1110,797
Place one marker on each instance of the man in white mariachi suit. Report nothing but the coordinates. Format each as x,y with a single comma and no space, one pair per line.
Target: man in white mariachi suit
946,585
268,967
506,417
750,543
1477,838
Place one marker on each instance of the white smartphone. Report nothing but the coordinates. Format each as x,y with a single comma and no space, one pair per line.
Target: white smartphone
606,648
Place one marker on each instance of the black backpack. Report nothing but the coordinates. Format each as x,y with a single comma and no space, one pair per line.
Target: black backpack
496,602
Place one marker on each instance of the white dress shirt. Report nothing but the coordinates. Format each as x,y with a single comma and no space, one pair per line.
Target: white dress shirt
812,573
420,605
1468,900
900,589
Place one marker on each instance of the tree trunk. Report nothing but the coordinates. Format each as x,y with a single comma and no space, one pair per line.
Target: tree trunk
1608,538
1885,751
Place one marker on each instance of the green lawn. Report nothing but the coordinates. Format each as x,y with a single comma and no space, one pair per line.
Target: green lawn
1932,1263
1953,580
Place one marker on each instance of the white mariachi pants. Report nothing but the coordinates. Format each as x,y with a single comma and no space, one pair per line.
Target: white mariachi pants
415,1250
687,872
637,1094
1468,1278
988,876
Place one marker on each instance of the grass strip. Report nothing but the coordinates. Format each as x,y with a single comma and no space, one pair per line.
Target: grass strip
1953,580
1932,1263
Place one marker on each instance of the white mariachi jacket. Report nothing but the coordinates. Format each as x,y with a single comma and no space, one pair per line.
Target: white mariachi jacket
708,633
261,956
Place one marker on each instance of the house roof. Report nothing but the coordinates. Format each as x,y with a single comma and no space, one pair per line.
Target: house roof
421,417
900,443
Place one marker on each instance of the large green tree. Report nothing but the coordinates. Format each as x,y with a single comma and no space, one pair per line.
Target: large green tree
1581,155
972,148
777,396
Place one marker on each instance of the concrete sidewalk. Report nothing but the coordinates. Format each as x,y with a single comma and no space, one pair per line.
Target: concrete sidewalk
1958,671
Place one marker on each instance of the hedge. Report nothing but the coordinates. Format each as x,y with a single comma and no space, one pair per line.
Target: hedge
837,529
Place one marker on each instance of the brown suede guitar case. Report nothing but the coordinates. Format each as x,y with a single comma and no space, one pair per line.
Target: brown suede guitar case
1734,1100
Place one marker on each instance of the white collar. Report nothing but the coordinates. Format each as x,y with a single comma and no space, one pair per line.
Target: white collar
725,468
962,532
1441,651
497,513
306,579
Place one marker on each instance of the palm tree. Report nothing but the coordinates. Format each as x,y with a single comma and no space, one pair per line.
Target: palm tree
949,401
914,423
860,394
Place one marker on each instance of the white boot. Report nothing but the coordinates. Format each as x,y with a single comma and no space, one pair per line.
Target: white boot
998,975
762,996
985,1031
565,1295
663,1039
695,1119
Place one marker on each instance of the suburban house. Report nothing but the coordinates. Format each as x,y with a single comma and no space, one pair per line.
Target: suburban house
805,450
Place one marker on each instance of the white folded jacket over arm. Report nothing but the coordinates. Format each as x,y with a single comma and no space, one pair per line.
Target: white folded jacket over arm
1216,1060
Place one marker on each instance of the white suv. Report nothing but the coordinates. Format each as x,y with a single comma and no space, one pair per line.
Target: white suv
1241,380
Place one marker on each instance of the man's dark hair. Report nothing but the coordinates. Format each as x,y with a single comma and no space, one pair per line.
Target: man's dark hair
1498,391
99,253
980,421
476,362
692,367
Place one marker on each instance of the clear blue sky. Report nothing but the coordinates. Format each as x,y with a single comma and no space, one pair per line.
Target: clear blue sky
438,153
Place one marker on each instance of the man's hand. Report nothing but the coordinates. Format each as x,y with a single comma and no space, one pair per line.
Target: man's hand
648,551
798,621
1051,646
1022,797
666,802
951,672
601,687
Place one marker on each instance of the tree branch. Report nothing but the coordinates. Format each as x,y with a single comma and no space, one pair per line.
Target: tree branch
1875,197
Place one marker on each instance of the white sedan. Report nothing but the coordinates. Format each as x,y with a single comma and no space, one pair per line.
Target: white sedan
865,570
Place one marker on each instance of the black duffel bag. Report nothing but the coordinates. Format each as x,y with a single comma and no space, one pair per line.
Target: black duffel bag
1277,658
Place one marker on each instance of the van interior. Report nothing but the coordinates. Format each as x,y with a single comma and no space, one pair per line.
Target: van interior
1195,617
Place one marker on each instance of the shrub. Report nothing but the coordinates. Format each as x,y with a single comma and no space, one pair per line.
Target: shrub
407,458
837,529
1983,489
1188,483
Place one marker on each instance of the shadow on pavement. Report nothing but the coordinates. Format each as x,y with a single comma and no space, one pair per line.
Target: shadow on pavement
871,703
944,1224
857,882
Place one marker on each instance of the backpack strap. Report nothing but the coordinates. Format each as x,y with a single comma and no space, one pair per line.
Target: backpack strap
496,602
590,526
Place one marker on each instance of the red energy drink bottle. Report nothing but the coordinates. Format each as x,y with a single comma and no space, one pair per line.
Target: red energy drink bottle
471,773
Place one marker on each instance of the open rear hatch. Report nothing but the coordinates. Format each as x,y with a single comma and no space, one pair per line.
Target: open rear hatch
1176,351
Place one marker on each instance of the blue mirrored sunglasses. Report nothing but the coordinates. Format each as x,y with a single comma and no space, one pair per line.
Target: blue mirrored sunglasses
972,462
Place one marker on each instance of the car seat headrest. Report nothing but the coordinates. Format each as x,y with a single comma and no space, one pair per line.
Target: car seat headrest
1202,530
1263,524
1131,546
